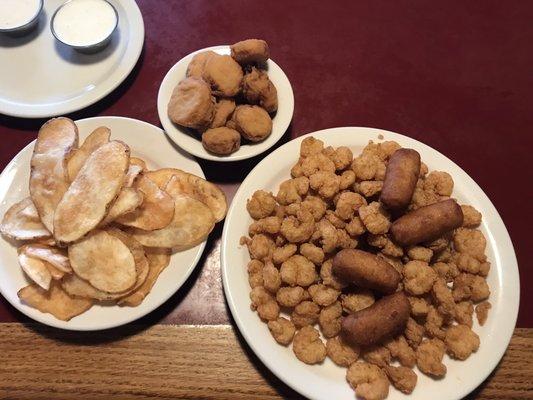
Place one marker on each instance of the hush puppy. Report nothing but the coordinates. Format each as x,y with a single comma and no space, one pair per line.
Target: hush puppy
221,140
252,122
250,51
197,65
224,75
191,104
258,89
223,110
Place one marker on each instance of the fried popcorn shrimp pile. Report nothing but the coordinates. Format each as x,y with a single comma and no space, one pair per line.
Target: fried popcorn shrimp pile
335,201
228,98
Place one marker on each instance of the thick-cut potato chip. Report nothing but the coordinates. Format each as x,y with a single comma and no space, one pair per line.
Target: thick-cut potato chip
105,261
192,223
87,199
22,222
56,273
96,139
76,286
48,177
155,212
56,257
47,241
132,174
138,161
137,250
127,201
158,260
194,186
36,270
55,301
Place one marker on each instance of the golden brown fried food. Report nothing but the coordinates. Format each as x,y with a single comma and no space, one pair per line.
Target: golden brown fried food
223,110
197,65
224,75
330,319
282,330
221,140
402,378
400,179
368,381
250,51
308,346
252,122
366,270
340,352
482,312
191,104
427,223
386,317
429,357
461,341
258,89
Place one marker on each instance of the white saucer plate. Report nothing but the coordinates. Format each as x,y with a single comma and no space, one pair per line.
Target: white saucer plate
41,77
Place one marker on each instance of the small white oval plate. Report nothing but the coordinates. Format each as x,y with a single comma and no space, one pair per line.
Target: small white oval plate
145,141
40,77
193,144
327,381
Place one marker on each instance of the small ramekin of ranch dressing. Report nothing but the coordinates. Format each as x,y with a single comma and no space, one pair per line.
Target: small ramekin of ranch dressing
85,25
19,16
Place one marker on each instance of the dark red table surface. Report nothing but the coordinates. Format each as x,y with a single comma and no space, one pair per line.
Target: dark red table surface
455,75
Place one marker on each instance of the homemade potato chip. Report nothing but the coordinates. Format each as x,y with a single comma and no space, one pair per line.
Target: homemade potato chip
132,174
103,260
158,260
96,139
127,201
56,257
22,222
47,241
56,274
48,176
55,301
137,250
192,223
156,210
138,161
36,270
76,286
87,199
194,186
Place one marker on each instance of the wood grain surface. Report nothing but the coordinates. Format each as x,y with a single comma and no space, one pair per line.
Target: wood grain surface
169,361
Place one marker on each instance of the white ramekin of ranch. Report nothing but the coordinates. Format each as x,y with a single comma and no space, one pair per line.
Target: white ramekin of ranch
85,25
18,17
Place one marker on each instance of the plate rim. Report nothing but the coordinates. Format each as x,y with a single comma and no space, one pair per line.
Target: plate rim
89,98
306,390
165,122
47,319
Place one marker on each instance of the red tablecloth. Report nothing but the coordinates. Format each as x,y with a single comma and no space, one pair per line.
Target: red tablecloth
455,75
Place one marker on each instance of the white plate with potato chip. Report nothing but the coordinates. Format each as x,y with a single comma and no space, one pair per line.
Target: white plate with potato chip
146,142
192,142
327,380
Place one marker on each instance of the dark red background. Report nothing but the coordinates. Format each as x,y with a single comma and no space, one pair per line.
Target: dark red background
456,75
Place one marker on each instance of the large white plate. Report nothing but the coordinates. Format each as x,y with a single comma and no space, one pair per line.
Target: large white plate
328,381
145,141
192,142
40,77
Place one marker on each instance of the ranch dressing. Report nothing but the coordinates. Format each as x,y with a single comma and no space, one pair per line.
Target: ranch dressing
16,13
84,22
